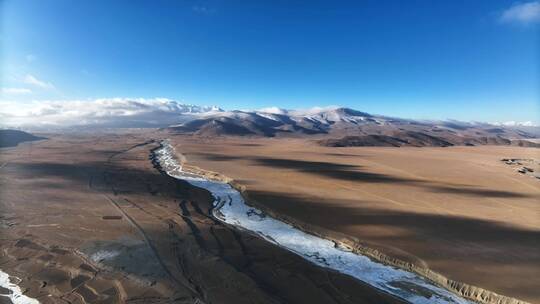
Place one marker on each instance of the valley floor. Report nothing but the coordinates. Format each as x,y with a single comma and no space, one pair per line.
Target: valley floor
88,219
460,211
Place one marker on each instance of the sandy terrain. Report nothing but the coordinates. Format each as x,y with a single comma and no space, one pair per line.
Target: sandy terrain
88,219
458,210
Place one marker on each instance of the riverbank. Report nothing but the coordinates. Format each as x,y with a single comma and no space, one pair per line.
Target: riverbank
10,291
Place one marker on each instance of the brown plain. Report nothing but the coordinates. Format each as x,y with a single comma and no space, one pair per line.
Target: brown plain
457,210
73,197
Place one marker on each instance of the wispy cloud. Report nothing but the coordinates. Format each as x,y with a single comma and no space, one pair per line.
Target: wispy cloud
527,12
30,58
16,91
203,10
104,112
31,79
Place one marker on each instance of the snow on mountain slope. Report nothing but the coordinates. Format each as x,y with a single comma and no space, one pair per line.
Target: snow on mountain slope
338,122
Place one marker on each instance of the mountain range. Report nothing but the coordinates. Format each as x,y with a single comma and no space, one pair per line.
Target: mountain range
347,127
335,126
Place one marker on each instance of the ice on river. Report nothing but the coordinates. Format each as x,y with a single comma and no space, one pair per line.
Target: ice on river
231,209
13,291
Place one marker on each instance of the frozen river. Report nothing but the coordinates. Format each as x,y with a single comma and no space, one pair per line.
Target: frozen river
12,291
231,208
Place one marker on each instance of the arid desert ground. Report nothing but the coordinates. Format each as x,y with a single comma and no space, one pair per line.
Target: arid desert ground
459,211
269,152
88,218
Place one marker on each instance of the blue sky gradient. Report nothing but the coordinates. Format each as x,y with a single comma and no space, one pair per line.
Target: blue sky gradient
467,60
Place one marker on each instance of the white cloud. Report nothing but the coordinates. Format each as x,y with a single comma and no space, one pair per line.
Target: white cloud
16,91
516,124
105,112
31,79
522,13
273,110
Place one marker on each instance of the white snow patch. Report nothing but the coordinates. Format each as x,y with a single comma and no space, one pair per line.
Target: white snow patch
16,295
104,255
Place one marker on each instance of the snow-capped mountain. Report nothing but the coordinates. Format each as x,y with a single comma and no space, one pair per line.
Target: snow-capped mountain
356,127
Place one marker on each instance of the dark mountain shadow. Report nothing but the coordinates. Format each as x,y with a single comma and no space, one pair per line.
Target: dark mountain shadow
346,155
246,145
327,169
11,138
476,192
458,244
74,172
348,172
431,229
216,157
97,176
355,173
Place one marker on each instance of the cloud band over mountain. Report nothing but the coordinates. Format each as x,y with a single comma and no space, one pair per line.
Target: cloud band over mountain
105,112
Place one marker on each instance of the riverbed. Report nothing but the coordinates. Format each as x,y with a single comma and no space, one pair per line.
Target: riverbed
230,208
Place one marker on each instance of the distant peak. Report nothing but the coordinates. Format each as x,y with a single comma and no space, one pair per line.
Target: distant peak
332,113
215,109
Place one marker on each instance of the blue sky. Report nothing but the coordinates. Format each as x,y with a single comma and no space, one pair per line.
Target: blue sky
467,60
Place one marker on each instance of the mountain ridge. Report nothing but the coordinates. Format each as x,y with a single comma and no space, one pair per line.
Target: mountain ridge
340,126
